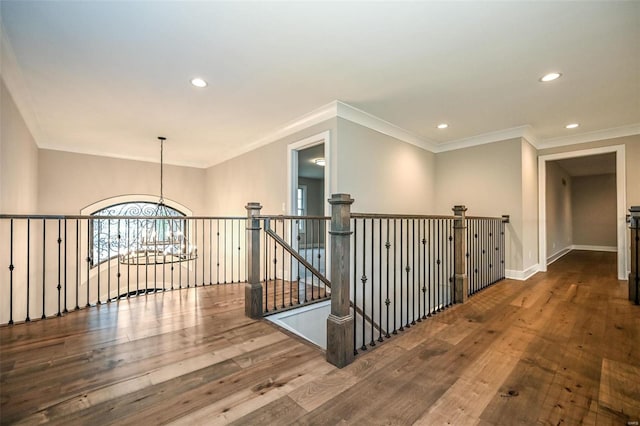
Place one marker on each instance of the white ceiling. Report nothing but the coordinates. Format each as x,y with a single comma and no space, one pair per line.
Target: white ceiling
590,165
108,77
306,165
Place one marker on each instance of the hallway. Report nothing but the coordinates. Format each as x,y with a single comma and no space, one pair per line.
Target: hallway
559,348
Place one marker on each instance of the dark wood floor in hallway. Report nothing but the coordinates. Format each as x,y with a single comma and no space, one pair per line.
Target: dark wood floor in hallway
561,348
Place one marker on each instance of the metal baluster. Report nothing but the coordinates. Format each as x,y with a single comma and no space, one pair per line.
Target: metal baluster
275,268
425,274
379,280
119,254
239,239
28,266
266,268
364,281
413,271
65,310
231,245
224,248
218,251
355,284
430,268
407,269
202,251
11,268
59,268
452,264
502,248
98,260
283,262
439,264
395,290
77,268
291,222
44,251
109,261
306,244
210,251
373,282
88,262
387,302
401,275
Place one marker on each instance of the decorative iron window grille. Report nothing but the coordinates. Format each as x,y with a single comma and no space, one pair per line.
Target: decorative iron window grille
132,239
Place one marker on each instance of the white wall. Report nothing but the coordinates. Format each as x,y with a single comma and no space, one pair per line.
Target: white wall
259,175
529,208
18,160
593,200
487,179
384,174
68,182
558,210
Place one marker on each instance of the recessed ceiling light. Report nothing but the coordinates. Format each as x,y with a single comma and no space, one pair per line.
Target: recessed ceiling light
198,82
571,126
320,162
442,126
550,77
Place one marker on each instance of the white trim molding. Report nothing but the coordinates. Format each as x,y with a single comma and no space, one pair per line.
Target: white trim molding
513,274
616,132
557,255
358,116
613,249
486,138
621,202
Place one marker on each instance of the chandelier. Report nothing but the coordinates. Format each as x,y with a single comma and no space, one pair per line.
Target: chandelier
161,237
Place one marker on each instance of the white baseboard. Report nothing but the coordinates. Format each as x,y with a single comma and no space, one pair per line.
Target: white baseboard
557,255
513,274
594,248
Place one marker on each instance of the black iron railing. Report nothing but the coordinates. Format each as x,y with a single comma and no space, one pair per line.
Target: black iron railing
403,271
294,258
634,274
485,252
57,264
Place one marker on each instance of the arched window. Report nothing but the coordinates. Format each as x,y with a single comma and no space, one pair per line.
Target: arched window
141,234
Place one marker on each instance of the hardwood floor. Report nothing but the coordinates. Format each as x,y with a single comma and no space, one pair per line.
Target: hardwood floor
561,348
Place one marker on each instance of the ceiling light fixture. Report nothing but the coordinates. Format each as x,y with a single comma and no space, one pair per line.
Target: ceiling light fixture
320,162
163,239
571,126
442,126
550,77
198,82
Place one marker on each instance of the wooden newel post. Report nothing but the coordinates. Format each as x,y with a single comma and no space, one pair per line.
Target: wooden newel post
253,287
634,275
340,322
461,283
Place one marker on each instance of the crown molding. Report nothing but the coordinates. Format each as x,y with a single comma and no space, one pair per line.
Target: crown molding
485,138
140,158
317,116
615,132
11,73
326,112
373,122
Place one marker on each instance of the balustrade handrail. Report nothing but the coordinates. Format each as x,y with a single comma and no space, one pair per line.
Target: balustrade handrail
295,254
291,217
398,216
97,217
486,218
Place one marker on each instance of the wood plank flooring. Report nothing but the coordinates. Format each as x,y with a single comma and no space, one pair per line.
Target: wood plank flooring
561,348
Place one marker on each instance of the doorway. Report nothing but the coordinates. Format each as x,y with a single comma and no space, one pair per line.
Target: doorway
309,177
569,216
